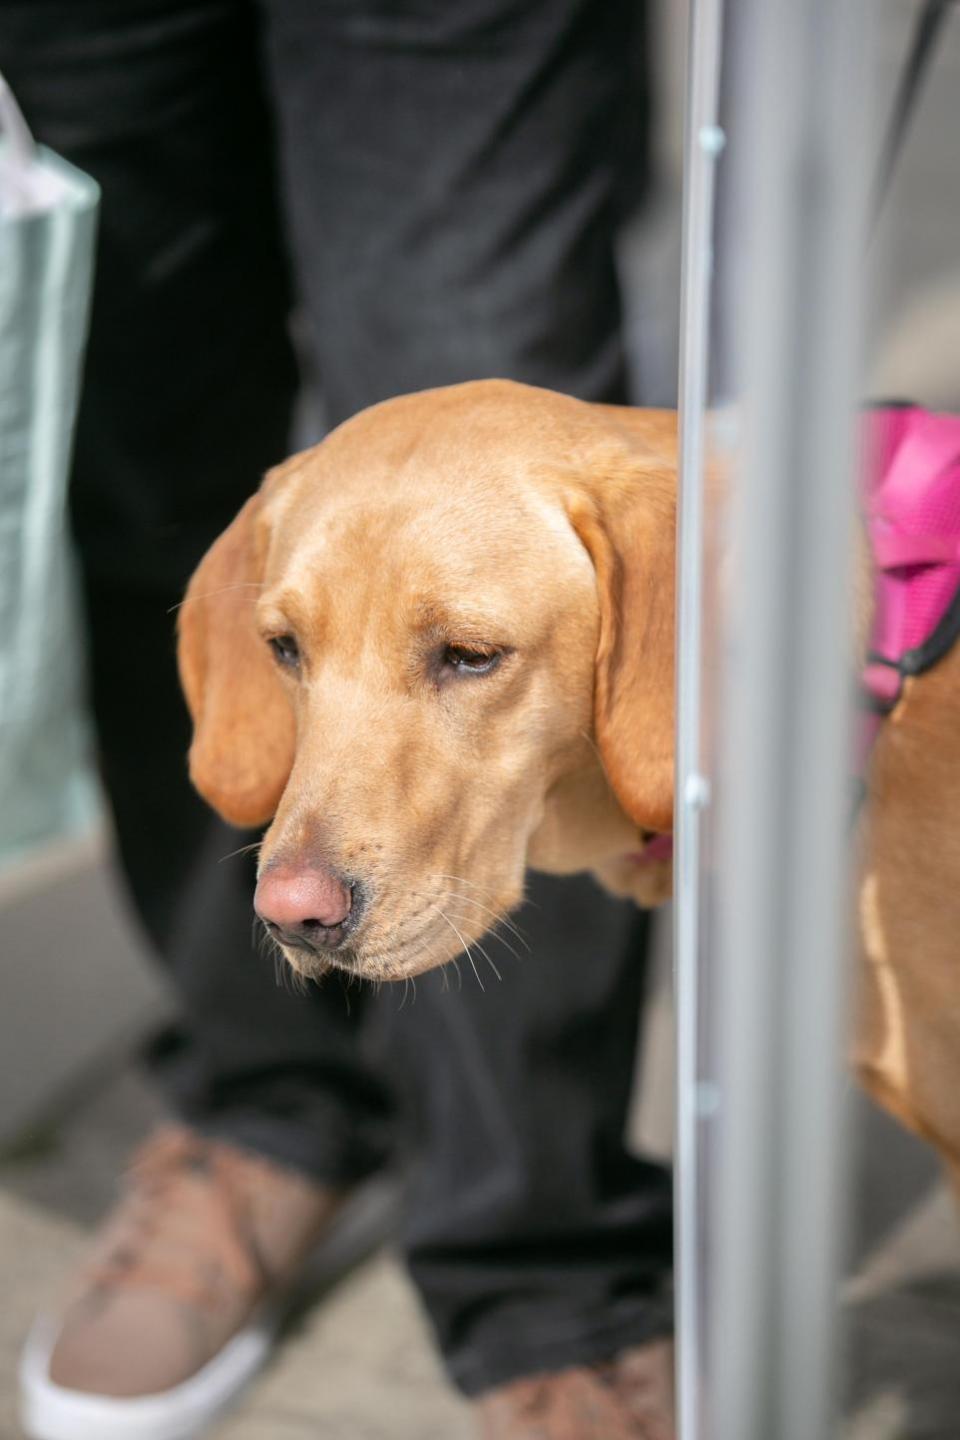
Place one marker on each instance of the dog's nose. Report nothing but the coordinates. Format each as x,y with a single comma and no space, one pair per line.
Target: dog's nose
308,906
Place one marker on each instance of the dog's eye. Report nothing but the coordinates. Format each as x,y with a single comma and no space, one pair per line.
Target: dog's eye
464,661
285,650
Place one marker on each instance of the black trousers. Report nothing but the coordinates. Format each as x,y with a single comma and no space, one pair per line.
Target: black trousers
435,183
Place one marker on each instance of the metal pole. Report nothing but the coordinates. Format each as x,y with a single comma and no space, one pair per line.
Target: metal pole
704,143
798,214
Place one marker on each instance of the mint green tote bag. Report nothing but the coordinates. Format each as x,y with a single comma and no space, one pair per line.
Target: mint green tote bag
48,213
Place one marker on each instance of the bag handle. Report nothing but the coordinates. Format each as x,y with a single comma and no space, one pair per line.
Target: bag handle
18,156
28,185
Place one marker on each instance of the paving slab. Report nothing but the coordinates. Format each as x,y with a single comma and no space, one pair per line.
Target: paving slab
360,1367
78,988
37,1249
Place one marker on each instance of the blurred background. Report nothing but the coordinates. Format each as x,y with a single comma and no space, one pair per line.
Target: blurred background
80,996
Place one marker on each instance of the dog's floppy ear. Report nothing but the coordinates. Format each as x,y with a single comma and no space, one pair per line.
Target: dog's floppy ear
243,725
625,516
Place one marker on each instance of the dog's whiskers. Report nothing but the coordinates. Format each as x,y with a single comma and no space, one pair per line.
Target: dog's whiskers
243,850
494,934
209,594
499,917
483,951
445,898
486,956
483,889
286,976
466,948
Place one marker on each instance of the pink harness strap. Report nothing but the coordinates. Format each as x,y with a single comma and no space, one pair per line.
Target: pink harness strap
910,491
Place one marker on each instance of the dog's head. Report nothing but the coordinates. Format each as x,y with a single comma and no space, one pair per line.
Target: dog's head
433,650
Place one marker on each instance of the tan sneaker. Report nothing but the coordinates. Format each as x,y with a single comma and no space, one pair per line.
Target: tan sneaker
628,1398
180,1300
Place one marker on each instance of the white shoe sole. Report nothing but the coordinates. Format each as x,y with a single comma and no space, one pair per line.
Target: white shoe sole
50,1412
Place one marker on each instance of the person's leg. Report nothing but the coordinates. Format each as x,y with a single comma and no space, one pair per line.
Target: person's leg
453,173
536,1239
188,393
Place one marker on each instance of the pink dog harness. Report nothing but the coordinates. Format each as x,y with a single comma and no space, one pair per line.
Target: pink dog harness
910,492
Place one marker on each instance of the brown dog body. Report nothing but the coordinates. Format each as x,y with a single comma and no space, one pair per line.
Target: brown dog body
438,648
907,1048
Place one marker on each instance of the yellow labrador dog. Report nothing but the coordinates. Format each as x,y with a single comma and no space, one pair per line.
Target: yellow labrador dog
438,648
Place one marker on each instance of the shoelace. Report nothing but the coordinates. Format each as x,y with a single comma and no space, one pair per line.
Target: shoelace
183,1227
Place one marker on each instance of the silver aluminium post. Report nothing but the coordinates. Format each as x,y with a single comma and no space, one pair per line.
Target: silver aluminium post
703,146
797,100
